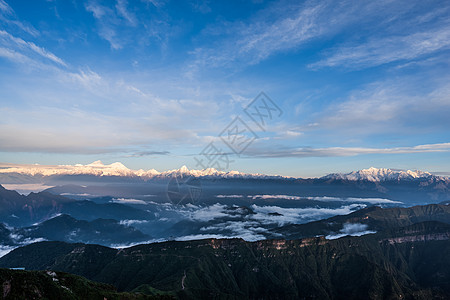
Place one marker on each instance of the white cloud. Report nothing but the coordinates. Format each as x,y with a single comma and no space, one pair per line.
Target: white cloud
118,24
107,21
6,249
122,10
5,8
256,41
208,213
348,151
132,222
88,79
327,199
299,215
127,245
383,50
201,237
247,230
14,56
392,106
362,200
18,44
351,229
287,26
8,15
128,201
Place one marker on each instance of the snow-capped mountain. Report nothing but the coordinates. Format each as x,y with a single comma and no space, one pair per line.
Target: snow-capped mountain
97,168
379,175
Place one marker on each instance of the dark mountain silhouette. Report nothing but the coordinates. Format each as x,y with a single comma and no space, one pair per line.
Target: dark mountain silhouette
68,229
409,262
18,284
19,210
374,217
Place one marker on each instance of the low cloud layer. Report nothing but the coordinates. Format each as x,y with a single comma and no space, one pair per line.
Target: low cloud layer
325,199
253,223
351,229
128,201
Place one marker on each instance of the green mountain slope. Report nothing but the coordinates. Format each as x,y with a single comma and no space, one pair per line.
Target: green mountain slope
401,263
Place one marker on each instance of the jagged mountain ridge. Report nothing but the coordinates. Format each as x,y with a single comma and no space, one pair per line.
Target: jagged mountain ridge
378,175
97,168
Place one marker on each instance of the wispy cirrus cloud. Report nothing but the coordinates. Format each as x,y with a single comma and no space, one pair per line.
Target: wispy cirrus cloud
122,10
419,102
24,49
384,50
17,44
256,41
286,27
8,16
118,23
5,8
346,151
107,21
148,153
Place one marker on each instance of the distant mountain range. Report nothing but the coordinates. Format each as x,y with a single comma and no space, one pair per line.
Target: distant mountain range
97,168
19,210
380,175
115,180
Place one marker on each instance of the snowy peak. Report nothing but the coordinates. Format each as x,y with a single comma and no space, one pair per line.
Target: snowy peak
378,175
183,169
97,163
98,168
213,173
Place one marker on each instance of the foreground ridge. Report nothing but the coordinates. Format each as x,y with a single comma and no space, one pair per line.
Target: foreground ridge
395,263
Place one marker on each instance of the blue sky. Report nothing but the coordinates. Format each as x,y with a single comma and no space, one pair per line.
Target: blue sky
151,83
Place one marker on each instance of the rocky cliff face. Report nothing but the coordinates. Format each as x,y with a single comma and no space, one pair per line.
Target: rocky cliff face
419,238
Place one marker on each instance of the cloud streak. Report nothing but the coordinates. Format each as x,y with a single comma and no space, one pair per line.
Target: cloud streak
349,151
8,16
15,43
351,229
287,27
324,199
388,49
